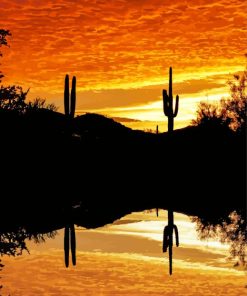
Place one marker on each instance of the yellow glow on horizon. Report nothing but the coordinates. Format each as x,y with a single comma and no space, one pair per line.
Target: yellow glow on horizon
147,225
153,111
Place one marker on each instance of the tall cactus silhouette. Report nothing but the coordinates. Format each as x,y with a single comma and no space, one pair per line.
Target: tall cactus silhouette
73,243
69,242
69,101
168,237
168,104
69,231
171,114
157,132
66,245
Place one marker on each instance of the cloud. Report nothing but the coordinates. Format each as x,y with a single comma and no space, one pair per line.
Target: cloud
114,263
90,100
121,48
117,42
113,274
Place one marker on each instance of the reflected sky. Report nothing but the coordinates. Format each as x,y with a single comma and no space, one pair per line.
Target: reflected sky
125,258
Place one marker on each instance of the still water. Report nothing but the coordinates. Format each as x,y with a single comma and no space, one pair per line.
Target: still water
125,258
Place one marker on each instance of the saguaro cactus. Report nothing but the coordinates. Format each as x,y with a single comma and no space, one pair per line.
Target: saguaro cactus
168,237
69,110
66,245
69,242
168,104
171,114
157,132
73,243
69,101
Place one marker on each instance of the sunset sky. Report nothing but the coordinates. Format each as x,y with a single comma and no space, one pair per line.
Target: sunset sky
121,50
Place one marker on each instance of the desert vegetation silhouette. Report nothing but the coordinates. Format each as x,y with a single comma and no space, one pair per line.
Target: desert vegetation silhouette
229,114
13,243
110,170
168,111
69,230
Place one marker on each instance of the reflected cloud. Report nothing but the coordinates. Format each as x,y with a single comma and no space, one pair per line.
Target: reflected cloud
119,259
114,274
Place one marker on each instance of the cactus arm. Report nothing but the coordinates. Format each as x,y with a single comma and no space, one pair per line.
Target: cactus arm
66,95
176,106
176,235
73,97
73,243
66,246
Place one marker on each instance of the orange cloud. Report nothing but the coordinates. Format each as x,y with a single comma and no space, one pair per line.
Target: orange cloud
112,274
119,44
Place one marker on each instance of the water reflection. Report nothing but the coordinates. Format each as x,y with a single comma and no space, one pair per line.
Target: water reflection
69,243
122,251
13,243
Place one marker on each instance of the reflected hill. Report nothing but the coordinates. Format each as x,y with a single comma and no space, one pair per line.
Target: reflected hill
92,170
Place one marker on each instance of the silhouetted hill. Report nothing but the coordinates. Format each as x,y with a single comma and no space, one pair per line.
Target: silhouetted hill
50,162
99,127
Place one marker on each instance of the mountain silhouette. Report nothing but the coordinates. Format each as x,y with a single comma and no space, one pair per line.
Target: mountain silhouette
110,170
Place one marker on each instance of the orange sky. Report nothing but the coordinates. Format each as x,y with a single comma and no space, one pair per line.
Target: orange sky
121,50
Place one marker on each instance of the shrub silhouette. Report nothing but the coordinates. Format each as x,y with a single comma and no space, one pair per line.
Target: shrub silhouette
3,42
231,230
229,113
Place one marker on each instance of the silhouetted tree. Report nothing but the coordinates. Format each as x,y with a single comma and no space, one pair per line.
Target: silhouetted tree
3,42
231,230
230,112
235,107
13,98
13,243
